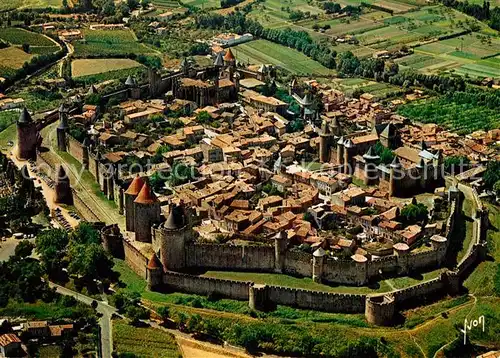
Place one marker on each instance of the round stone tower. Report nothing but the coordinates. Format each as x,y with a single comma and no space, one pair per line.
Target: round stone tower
340,151
154,272
318,258
348,156
258,297
174,233
130,195
63,193
27,137
62,128
280,246
325,141
401,251
146,213
380,310
370,166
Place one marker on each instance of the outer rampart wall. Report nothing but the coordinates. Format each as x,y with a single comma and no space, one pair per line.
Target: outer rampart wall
317,300
206,285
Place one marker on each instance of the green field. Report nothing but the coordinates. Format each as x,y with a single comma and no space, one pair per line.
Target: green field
87,67
12,59
273,13
203,4
16,4
109,43
262,51
143,342
17,36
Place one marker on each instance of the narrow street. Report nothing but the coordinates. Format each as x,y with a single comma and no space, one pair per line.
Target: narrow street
104,322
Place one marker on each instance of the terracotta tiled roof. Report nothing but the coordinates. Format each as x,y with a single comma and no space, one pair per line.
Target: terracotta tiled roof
154,263
146,196
6,339
229,56
136,186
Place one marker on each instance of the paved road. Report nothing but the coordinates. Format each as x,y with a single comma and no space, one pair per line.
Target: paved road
104,322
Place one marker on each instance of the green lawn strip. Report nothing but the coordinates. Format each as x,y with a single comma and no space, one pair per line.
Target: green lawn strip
481,280
8,134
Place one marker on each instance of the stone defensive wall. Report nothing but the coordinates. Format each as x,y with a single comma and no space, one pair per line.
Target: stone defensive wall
205,286
79,204
77,150
220,256
134,258
316,300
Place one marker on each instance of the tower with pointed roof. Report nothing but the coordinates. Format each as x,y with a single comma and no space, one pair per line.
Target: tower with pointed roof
130,195
146,213
154,272
230,63
171,237
325,142
371,171
349,152
27,136
340,151
63,193
62,128
134,90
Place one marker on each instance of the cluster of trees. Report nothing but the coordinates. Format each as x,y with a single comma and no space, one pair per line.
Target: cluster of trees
181,174
414,213
299,40
79,252
128,303
386,155
482,13
331,7
21,278
491,176
229,3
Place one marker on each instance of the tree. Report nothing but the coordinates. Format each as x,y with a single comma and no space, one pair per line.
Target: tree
164,313
108,9
51,245
24,249
26,48
157,180
414,212
135,314
132,4
496,188
89,261
492,174
203,117
145,3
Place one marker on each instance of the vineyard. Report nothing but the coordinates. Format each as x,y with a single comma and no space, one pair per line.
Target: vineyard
109,43
462,112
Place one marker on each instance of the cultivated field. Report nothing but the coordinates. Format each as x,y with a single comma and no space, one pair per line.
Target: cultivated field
374,31
469,54
87,67
39,44
262,51
143,342
203,4
16,4
109,43
12,58
379,89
